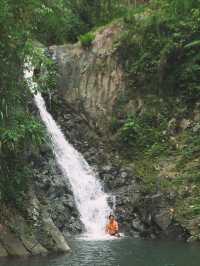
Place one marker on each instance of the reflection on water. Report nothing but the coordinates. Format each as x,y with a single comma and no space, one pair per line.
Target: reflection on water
122,252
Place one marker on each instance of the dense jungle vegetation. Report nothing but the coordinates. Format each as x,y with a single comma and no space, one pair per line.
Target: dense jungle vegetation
160,52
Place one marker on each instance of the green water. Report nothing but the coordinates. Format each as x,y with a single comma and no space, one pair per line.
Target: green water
123,252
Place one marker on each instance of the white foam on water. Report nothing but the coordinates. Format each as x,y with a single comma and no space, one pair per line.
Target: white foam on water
90,198
102,237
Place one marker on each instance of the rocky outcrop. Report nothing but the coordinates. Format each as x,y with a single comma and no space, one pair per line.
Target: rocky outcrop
47,216
30,232
91,78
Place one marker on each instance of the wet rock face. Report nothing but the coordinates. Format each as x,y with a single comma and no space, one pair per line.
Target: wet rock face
54,190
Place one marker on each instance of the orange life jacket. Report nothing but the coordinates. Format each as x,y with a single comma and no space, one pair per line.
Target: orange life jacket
112,227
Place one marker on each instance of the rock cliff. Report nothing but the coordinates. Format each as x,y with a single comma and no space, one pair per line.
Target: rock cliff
92,77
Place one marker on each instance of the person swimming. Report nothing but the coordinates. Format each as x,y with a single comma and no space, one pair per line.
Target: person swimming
112,227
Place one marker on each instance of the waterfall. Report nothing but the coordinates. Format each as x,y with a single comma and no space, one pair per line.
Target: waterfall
90,199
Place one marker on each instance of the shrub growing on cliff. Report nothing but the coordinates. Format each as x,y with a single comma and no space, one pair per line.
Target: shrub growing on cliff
143,134
130,131
87,39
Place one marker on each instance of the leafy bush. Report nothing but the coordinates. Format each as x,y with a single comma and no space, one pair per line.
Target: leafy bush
144,135
87,39
130,131
191,147
27,129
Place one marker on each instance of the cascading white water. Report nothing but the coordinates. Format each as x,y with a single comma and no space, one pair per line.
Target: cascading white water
90,199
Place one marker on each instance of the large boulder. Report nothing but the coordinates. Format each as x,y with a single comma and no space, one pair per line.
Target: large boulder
163,219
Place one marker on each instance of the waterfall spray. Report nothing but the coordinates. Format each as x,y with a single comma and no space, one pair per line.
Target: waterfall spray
90,199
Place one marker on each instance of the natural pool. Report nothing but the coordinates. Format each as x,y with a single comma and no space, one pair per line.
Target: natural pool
121,252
